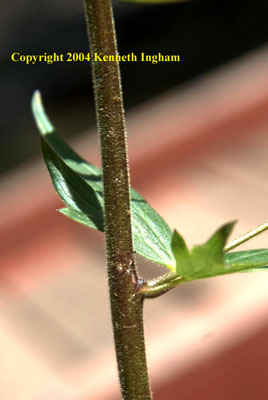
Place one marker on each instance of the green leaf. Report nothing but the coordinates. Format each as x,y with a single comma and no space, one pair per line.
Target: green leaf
79,185
72,188
203,260
182,255
209,259
248,260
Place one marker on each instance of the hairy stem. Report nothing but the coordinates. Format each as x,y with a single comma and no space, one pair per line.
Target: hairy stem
126,299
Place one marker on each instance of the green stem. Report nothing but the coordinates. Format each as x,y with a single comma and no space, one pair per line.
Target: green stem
160,285
247,236
126,299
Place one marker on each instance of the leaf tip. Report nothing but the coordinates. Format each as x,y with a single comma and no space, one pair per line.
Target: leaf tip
221,235
37,96
228,227
41,119
177,243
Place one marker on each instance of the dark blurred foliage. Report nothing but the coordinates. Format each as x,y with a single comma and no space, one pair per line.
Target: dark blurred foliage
206,33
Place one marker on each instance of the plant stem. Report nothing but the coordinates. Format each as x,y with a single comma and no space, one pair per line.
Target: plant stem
126,300
247,236
160,285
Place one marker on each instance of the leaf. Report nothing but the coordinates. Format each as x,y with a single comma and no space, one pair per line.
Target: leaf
209,259
182,255
203,260
73,191
79,185
248,260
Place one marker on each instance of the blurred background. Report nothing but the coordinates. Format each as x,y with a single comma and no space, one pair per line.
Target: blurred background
198,150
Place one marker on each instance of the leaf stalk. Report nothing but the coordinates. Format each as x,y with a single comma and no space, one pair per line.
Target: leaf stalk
160,285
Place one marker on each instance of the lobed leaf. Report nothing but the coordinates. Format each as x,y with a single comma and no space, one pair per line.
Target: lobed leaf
203,260
79,184
209,259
